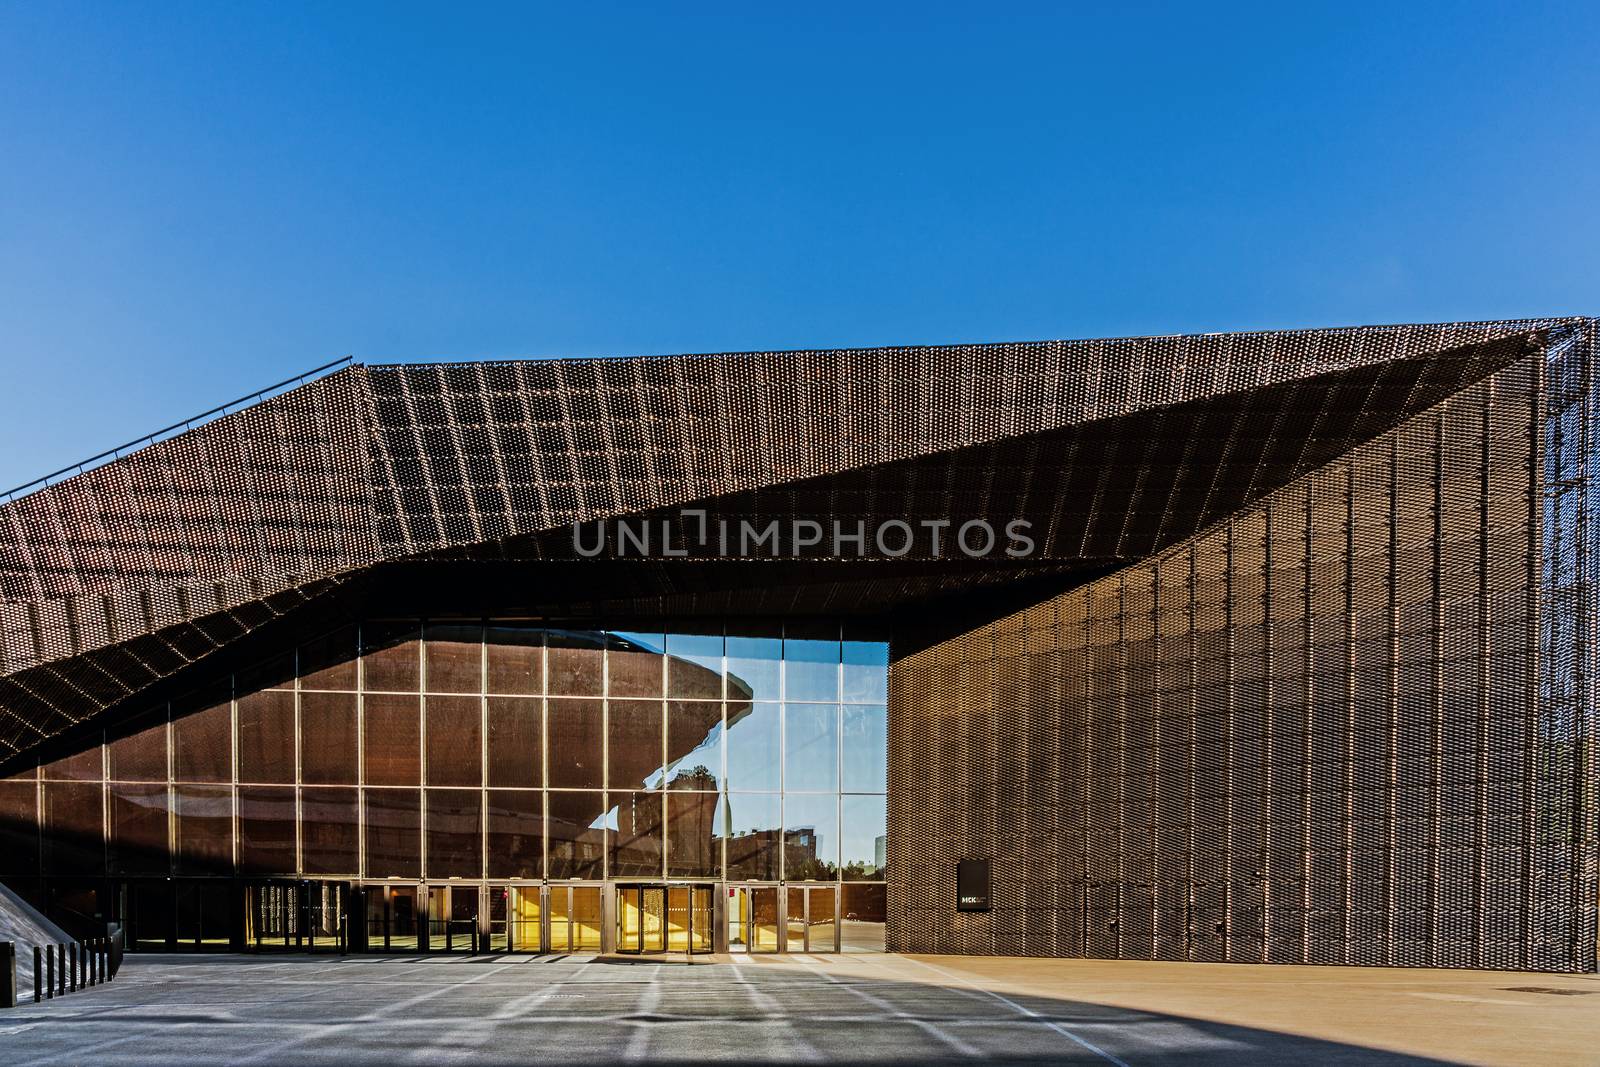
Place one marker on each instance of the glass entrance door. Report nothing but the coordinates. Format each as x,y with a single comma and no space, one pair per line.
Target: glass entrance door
664,918
753,918
574,913
514,918
452,918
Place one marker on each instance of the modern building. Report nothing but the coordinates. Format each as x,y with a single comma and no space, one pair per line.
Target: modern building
1248,647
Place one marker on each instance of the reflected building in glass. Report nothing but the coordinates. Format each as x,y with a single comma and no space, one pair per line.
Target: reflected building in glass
1271,647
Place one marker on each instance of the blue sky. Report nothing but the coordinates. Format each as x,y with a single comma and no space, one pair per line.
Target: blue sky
199,200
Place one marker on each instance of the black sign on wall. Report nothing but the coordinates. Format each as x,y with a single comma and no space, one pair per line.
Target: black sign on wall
972,885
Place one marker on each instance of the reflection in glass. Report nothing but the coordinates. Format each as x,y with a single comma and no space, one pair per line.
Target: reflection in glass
139,752
866,749
635,739
753,667
516,728
204,828
636,820
328,831
865,910
694,850
577,834
202,744
811,748
516,833
821,901
266,737
394,833
811,664
454,658
138,828
266,829
454,740
328,738
694,666
753,747
634,665
454,833
392,657
576,743
865,836
866,672
576,662
795,921
810,837
392,738
694,744
515,659
750,824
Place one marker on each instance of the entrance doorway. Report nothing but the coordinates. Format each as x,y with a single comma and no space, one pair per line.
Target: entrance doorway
575,924
299,916
665,918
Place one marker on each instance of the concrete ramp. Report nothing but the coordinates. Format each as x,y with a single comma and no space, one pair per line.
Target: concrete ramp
22,923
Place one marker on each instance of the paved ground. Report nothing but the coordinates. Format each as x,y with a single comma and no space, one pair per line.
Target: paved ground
198,1010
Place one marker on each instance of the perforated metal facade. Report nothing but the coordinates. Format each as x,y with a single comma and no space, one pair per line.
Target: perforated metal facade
1300,670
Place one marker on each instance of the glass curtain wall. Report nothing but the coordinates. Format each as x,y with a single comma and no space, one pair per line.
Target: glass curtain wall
399,750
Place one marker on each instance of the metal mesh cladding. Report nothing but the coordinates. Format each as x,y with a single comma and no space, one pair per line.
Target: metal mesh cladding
1333,703
1351,724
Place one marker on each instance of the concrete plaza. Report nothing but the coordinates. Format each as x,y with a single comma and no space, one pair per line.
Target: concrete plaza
851,1009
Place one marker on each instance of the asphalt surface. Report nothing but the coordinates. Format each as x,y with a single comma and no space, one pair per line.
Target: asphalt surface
196,1010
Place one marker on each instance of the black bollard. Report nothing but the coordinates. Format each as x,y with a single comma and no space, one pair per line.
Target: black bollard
72,968
38,972
8,974
61,970
50,972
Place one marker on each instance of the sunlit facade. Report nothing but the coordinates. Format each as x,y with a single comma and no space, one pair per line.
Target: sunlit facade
1271,647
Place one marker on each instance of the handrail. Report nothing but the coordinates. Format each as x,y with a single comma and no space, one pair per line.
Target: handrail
152,438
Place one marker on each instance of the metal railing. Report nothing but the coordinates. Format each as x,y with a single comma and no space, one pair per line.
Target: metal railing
60,969
177,427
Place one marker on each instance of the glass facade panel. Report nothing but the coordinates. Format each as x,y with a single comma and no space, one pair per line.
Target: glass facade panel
754,746
635,665
576,663
634,729
138,828
267,829
391,660
577,845
811,658
810,837
515,660
866,668
328,738
454,833
694,849
866,749
516,833
85,766
266,737
73,838
636,819
138,752
453,658
202,744
327,662
755,667
454,740
694,666
865,911
392,739
204,828
329,826
393,825
811,748
516,742
865,836
694,744
19,828
751,824
577,732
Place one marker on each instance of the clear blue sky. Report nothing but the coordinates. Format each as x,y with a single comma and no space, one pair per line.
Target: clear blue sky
198,200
